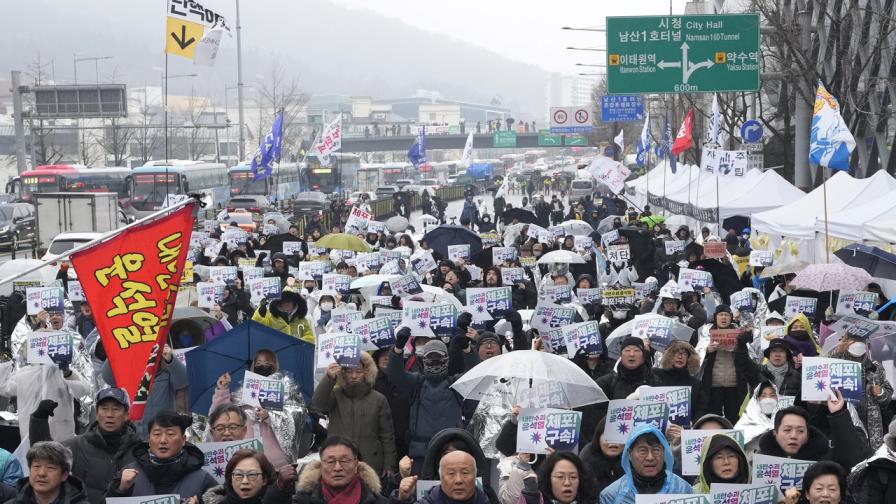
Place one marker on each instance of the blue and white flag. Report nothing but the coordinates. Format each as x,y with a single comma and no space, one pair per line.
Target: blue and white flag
644,141
417,152
467,159
269,151
667,146
830,141
715,119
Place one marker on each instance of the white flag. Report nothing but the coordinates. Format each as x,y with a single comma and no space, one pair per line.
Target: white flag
207,49
619,141
467,159
712,134
330,141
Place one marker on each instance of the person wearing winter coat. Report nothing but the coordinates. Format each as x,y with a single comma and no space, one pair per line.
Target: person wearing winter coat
434,404
678,368
794,436
632,371
339,477
759,415
562,479
449,440
457,483
358,412
399,402
647,465
874,479
878,389
167,464
10,474
802,340
247,477
722,460
235,304
778,369
603,459
287,315
49,478
104,449
726,371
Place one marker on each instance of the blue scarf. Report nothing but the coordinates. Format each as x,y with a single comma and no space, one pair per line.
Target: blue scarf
168,461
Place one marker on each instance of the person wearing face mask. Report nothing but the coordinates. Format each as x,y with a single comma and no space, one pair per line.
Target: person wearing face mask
358,412
603,458
759,415
878,390
322,313
485,224
722,460
434,405
801,338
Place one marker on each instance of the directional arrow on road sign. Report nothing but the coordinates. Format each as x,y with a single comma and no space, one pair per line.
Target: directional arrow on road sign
687,67
181,37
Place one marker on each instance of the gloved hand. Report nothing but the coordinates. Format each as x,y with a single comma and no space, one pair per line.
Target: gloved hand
516,322
45,409
402,337
463,321
263,308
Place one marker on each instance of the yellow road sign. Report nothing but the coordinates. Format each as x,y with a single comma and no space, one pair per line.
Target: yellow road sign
182,37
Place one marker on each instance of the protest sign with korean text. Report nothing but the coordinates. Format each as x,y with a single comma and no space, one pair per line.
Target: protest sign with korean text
75,292
423,263
48,299
209,294
714,249
540,234
489,239
586,296
459,252
583,243
415,316
222,274
794,305
264,288
618,297
618,253
539,429
853,302
263,392
743,301
822,375
337,283
558,293
678,399
672,499
673,246
610,237
782,473
347,350
341,319
376,332
49,347
314,268
497,301
547,315
725,338
692,445
217,455
762,258
623,415
694,280
251,273
733,493
148,499
406,285
584,336
502,254
510,276
357,219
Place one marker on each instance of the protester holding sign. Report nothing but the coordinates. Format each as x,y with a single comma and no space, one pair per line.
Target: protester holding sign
358,412
286,315
722,460
678,368
726,371
633,370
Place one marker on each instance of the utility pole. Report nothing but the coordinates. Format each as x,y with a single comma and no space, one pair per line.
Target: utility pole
239,82
19,120
802,178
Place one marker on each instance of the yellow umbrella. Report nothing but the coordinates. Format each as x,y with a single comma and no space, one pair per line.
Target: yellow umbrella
342,241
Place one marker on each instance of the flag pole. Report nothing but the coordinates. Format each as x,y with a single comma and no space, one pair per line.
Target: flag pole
102,238
718,208
824,190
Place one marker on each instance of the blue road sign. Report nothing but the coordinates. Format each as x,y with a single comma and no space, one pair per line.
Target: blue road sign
751,131
621,108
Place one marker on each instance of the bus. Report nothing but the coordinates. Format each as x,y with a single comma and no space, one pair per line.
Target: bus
152,182
512,161
370,176
532,157
42,179
393,172
283,183
110,179
338,176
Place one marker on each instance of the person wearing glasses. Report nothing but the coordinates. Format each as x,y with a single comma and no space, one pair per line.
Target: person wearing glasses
339,477
228,422
647,463
722,460
247,477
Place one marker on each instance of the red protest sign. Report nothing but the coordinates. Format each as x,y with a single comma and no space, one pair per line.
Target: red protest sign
725,338
131,283
713,249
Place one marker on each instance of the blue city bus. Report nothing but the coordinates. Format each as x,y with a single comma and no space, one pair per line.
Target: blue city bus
283,183
338,176
152,182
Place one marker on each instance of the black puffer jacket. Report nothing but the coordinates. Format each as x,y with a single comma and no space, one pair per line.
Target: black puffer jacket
845,444
72,493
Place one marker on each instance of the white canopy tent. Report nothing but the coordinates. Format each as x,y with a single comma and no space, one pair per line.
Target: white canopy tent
769,191
851,222
882,230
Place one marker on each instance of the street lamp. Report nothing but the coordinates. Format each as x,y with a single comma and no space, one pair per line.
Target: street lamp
592,74
584,29
587,65
96,64
597,49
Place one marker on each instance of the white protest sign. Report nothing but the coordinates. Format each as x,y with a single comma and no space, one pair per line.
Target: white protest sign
222,274
732,493
673,246
694,280
782,473
292,247
424,262
209,294
724,163
263,392
510,276
762,258
151,499
459,252
798,304
49,347
217,455
623,415
49,299
618,253
848,302
357,219
539,429
692,445
502,254
341,319
822,375
678,399
75,291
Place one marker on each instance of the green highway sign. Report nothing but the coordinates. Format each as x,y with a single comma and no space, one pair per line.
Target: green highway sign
576,140
683,54
546,139
504,139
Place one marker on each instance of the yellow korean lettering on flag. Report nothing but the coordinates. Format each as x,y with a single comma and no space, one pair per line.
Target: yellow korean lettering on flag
131,283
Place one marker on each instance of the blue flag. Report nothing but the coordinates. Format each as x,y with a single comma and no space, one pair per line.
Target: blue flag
268,151
417,152
667,146
644,142
830,141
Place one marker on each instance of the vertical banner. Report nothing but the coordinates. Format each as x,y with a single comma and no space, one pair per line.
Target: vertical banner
132,288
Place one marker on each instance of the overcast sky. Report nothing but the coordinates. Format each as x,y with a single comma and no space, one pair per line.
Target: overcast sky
524,30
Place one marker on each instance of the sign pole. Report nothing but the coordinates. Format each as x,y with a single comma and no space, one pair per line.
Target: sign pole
824,190
718,207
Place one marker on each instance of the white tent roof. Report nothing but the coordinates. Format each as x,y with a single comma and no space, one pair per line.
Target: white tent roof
850,223
880,230
767,192
797,219
702,192
640,183
673,182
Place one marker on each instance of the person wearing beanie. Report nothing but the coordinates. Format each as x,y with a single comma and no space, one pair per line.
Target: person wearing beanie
488,345
778,369
874,479
434,404
678,368
722,460
726,371
633,369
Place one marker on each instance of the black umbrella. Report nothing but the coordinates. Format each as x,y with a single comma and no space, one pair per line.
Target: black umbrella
724,277
878,263
520,215
442,236
642,251
275,242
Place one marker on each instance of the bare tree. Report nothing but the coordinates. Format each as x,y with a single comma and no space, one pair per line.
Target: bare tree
196,137
115,143
281,92
146,138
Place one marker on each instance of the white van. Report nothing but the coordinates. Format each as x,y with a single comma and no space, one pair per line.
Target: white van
580,188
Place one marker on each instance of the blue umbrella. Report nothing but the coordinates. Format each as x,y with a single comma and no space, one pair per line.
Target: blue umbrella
878,263
442,236
233,351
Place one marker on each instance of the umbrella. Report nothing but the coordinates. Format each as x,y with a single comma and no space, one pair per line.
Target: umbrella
428,219
520,215
785,268
577,227
529,369
372,281
43,276
397,224
679,331
275,242
823,301
449,234
561,256
606,224
233,351
280,221
438,295
342,241
828,277
724,277
878,263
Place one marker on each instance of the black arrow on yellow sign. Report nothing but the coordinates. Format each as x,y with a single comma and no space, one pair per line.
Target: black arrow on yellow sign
182,42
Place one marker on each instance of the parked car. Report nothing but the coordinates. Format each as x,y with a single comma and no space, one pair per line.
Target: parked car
17,224
356,196
311,201
243,218
64,242
403,182
386,192
431,184
252,203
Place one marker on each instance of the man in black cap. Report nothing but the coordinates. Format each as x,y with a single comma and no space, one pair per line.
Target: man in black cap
489,345
104,449
779,369
632,370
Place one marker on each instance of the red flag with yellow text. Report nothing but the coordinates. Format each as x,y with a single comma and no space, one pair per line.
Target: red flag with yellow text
131,283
